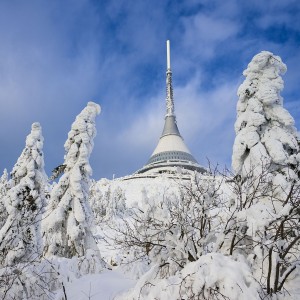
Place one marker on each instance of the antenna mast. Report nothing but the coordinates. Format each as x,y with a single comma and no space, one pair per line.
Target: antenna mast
169,88
168,56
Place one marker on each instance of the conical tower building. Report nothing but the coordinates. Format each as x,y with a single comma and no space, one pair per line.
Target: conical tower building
171,152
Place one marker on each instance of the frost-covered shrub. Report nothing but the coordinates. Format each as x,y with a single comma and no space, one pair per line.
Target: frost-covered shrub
212,276
264,229
67,227
20,237
47,278
171,231
25,281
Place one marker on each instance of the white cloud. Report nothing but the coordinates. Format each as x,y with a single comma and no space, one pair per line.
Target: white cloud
203,33
146,125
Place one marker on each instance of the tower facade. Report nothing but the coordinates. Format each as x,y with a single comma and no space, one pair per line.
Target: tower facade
171,150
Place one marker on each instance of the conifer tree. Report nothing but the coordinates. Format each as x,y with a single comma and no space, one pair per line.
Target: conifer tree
67,226
265,132
3,191
264,224
20,238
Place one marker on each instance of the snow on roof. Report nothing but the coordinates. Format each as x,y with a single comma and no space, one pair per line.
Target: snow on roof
171,142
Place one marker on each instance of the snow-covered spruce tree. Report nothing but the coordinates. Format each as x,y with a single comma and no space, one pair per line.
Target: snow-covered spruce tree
20,237
107,205
265,132
96,202
67,228
3,191
117,206
264,222
3,183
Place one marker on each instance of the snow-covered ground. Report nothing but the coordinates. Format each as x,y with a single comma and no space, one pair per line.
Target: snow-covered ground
103,286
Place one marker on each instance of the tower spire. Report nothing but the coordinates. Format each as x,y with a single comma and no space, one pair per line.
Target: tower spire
169,87
171,151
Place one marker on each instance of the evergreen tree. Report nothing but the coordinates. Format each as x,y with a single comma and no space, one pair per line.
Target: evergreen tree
263,224
20,238
67,227
3,191
265,132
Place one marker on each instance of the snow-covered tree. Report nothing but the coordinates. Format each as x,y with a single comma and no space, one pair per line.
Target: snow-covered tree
265,132
117,205
96,202
67,227
107,205
3,183
20,236
3,191
263,224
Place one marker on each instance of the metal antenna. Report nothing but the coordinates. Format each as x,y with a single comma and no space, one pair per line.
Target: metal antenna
168,56
169,88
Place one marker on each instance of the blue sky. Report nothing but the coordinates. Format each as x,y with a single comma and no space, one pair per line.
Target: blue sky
55,56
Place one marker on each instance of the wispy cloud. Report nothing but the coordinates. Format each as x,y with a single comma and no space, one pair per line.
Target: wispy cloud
204,33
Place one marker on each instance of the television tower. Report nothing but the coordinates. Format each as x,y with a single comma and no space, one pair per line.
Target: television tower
171,150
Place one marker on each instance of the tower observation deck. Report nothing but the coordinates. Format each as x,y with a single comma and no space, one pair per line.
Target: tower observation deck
171,150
